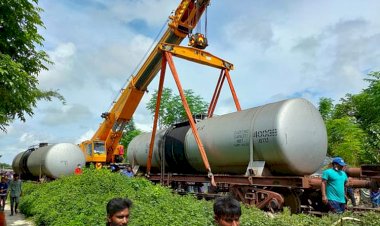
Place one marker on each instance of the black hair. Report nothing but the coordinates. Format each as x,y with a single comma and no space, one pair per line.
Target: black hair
15,175
117,204
226,206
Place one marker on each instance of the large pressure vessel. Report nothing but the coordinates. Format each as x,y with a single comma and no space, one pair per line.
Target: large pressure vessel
52,161
290,136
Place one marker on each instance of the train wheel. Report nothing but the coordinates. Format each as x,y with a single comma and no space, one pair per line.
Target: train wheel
291,200
313,199
261,198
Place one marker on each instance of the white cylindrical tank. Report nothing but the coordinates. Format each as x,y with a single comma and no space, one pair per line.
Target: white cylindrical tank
138,149
16,166
53,161
289,136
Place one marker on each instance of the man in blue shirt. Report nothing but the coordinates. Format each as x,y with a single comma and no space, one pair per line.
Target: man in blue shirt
334,181
3,192
128,172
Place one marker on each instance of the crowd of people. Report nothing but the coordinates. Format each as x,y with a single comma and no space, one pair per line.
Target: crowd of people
10,186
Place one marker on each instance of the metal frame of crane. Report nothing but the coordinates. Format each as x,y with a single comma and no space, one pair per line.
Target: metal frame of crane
181,24
201,57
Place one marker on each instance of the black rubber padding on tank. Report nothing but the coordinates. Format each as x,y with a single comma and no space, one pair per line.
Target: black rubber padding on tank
23,164
175,150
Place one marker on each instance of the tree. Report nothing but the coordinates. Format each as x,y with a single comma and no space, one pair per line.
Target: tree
171,107
326,107
346,139
353,125
20,60
5,166
368,114
129,133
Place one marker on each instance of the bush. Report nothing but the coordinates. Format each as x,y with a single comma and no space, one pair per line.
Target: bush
81,200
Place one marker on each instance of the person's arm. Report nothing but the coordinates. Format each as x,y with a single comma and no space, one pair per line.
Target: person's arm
346,182
323,190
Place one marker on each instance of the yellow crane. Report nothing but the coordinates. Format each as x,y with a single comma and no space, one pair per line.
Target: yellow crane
103,147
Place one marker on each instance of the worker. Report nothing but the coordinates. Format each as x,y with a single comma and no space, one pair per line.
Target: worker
3,192
227,211
15,192
118,211
351,195
375,194
98,165
334,181
78,170
350,192
128,172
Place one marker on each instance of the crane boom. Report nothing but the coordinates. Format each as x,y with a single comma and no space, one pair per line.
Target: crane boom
103,145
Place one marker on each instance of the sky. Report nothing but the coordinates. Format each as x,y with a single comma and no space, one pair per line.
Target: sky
280,49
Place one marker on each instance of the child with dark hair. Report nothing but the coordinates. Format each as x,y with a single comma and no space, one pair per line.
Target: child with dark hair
227,211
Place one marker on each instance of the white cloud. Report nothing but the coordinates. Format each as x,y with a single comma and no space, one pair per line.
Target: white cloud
66,114
279,49
86,136
335,61
60,73
28,138
259,33
118,59
132,10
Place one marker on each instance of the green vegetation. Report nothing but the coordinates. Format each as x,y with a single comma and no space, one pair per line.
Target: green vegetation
353,124
5,166
171,111
171,107
20,60
81,200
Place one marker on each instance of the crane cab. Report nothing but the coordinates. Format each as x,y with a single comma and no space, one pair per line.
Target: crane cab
94,151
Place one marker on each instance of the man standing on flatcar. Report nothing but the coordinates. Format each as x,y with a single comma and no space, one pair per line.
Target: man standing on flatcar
334,181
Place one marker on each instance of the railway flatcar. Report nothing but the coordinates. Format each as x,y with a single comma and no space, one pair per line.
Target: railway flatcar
265,156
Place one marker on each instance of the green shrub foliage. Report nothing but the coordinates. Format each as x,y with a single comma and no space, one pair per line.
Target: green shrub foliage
81,200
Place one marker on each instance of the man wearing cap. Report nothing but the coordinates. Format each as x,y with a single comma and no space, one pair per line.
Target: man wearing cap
334,181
